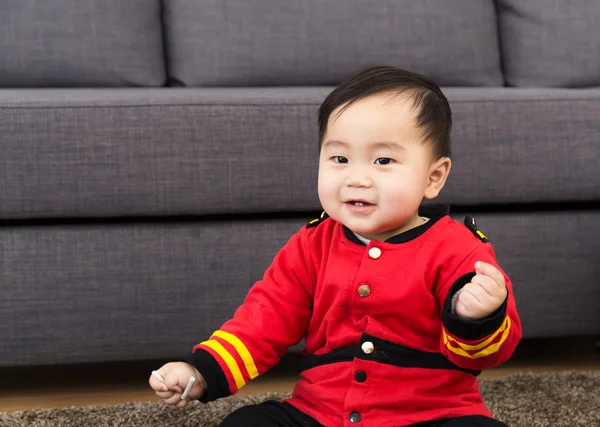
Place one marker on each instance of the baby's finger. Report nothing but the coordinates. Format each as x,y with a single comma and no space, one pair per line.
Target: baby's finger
165,394
486,284
491,271
173,400
471,297
182,403
156,384
172,382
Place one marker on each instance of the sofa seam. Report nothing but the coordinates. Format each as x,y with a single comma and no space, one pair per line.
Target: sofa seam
16,107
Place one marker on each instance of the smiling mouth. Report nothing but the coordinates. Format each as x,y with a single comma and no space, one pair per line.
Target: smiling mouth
359,203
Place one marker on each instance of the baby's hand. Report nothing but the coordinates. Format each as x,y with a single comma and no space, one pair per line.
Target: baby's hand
483,295
176,376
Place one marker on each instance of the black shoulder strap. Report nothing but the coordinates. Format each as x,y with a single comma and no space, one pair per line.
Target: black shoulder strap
472,225
317,221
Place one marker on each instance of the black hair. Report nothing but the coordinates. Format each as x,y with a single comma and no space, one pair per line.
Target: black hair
434,117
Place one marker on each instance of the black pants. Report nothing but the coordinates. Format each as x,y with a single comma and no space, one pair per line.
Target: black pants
277,414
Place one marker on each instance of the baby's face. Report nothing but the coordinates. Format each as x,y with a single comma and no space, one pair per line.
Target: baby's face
374,166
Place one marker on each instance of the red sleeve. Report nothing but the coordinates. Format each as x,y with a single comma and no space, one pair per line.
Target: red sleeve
483,343
273,317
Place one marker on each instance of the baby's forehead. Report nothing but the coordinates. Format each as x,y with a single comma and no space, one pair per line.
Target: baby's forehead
373,122
383,109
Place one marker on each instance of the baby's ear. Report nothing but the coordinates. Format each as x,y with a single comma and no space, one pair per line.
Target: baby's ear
438,173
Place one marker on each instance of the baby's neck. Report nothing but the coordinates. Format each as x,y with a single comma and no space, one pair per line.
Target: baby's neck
366,241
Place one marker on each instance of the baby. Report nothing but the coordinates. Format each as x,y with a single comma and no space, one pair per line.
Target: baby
400,306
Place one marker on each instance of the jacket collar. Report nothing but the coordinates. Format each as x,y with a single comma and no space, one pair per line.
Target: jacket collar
434,213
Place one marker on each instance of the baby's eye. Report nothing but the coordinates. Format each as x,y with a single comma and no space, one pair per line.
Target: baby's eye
383,161
339,159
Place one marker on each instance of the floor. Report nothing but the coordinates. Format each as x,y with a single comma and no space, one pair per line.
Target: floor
115,383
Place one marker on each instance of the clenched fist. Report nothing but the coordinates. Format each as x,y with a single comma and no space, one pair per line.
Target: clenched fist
176,376
483,295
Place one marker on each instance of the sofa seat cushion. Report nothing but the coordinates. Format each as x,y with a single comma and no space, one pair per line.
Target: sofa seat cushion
103,292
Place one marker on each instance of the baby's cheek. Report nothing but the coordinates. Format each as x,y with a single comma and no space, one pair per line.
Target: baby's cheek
399,196
326,192
402,203
329,199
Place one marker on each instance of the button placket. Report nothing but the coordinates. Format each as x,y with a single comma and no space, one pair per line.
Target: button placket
360,387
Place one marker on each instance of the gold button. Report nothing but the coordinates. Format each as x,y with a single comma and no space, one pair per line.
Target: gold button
368,347
374,253
364,290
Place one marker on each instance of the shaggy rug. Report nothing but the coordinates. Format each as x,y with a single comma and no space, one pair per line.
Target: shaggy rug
560,399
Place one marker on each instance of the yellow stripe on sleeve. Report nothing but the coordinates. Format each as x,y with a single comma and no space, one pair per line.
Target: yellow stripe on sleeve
229,361
505,324
486,351
242,351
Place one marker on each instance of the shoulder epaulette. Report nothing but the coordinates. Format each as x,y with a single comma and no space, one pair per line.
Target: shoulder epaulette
317,221
472,225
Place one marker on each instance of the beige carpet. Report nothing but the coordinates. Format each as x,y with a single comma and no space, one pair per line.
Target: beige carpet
563,399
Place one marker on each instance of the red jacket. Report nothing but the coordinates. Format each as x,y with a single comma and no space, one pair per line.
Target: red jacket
383,347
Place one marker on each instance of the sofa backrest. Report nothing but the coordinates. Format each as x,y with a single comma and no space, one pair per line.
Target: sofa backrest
316,42
118,43
81,43
550,43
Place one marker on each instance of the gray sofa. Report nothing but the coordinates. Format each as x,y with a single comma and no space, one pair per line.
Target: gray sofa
155,155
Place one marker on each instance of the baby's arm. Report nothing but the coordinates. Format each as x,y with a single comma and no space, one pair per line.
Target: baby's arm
472,336
274,316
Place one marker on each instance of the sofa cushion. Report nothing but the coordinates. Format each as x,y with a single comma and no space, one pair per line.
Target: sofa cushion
553,43
102,292
315,42
106,153
80,43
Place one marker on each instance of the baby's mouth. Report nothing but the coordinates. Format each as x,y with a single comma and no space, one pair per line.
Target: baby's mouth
359,203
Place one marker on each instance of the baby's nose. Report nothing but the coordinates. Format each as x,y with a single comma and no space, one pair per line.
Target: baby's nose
358,180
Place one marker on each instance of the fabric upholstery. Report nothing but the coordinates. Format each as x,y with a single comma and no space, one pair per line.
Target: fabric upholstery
550,43
75,43
315,42
81,153
101,292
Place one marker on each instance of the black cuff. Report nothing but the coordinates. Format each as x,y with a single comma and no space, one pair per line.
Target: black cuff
216,381
470,330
